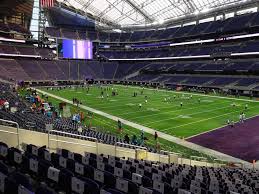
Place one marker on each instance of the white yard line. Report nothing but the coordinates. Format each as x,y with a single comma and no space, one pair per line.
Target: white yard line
162,135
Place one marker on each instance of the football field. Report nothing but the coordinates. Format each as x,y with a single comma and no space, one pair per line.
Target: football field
161,109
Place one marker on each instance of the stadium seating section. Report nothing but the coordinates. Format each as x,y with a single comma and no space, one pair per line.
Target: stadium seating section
242,23
11,28
69,172
36,121
34,69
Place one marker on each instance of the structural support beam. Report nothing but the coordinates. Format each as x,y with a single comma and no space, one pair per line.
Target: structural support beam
89,2
109,8
189,6
140,11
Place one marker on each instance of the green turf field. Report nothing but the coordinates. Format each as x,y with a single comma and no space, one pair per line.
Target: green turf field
167,116
110,126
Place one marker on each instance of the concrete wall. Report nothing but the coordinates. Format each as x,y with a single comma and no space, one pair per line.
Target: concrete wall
9,136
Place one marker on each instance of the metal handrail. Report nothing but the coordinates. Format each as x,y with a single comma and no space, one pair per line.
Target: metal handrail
17,132
70,142
199,159
130,145
72,134
219,161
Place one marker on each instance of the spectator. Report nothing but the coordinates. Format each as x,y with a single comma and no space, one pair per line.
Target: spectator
6,106
126,139
155,136
134,139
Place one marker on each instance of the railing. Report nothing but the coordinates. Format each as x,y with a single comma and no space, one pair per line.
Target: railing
199,159
130,146
58,136
227,163
66,134
9,132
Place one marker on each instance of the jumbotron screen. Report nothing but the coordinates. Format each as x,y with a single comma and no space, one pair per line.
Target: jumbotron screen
77,49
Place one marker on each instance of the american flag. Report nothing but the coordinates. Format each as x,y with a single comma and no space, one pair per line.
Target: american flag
46,3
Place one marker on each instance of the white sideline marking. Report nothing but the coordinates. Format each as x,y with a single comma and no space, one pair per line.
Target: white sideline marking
165,136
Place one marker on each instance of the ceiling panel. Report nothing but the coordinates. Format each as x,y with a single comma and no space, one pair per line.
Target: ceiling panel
135,12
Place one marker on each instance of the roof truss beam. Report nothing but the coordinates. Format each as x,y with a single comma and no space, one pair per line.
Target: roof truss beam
109,8
140,11
129,13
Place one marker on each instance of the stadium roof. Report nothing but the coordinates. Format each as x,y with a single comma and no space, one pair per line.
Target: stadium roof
145,12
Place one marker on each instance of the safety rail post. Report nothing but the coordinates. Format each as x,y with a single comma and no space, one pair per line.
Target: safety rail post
17,131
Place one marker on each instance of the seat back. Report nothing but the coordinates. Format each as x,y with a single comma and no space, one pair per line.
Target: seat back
156,177
100,166
122,185
195,190
53,174
136,178
85,160
140,171
3,150
99,176
34,150
158,186
62,162
118,172
17,158
79,168
77,185
33,165
47,155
